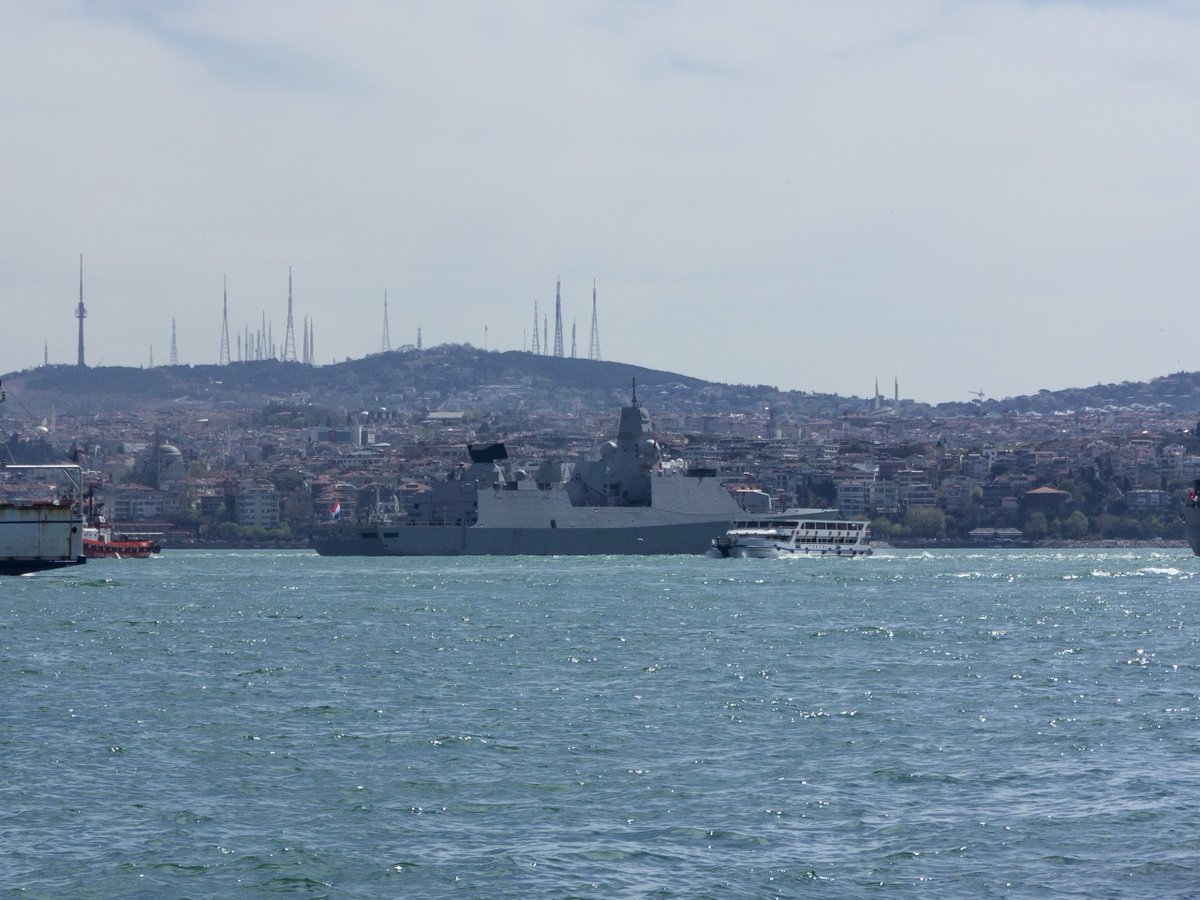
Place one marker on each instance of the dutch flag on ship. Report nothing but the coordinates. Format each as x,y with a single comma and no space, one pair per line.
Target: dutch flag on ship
335,510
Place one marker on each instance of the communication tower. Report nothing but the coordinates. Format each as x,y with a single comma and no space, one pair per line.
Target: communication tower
289,339
558,330
387,340
174,346
225,322
537,346
81,314
594,346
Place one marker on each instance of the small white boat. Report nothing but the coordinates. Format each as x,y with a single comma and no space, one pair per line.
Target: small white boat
794,532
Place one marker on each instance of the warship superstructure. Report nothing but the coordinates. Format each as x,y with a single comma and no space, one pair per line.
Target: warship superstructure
626,498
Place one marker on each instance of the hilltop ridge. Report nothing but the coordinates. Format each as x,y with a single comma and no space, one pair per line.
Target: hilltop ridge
448,376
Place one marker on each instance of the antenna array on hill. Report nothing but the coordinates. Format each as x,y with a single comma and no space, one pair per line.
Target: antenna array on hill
594,346
289,339
225,321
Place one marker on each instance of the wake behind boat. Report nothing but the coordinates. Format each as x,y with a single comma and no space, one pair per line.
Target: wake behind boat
626,498
794,532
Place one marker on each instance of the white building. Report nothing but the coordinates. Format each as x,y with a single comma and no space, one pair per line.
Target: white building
257,503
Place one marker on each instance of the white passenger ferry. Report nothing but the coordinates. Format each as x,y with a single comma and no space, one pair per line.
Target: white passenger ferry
794,532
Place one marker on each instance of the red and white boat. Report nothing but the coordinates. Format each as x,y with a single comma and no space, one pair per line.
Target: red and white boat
100,541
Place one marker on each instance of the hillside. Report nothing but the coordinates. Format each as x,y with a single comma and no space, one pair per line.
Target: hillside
455,376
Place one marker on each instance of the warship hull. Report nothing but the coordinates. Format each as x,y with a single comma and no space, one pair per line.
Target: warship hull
685,516
1191,522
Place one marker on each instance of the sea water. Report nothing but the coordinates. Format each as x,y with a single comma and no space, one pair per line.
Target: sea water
916,724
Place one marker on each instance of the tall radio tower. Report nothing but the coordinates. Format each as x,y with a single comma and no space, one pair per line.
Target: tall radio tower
174,348
225,322
387,340
594,346
289,339
558,334
537,346
81,314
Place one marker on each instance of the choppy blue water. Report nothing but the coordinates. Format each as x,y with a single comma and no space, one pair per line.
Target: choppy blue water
955,723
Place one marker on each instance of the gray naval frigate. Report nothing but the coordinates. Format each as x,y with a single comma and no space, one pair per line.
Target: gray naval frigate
1191,517
627,498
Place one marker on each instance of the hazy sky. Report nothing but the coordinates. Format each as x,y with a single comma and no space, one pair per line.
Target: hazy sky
964,195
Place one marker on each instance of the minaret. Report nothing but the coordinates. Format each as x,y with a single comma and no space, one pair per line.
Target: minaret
289,340
81,314
225,322
537,345
174,346
46,353
558,330
594,346
387,340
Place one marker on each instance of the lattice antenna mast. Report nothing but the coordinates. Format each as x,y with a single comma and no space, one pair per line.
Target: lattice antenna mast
289,338
387,340
537,344
225,321
594,346
558,329
81,314
174,346
573,339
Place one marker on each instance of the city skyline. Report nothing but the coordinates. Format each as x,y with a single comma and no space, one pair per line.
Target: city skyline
972,197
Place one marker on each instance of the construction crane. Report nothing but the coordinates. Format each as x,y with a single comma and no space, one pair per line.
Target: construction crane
978,395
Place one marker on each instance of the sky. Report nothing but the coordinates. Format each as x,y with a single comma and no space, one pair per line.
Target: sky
958,196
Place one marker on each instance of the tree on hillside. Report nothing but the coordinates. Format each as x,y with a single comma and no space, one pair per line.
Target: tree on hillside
1075,527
